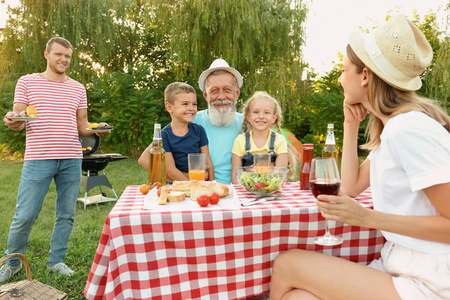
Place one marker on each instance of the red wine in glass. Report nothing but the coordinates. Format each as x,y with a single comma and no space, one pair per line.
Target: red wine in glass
326,187
324,179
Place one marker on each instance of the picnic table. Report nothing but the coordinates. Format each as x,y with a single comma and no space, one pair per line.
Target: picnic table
213,253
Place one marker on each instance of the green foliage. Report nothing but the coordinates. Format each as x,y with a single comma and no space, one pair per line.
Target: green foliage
247,34
131,101
12,141
436,78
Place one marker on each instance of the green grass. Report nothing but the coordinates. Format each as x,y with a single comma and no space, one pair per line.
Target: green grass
87,227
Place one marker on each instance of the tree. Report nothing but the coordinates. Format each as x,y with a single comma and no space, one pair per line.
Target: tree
260,38
436,78
108,36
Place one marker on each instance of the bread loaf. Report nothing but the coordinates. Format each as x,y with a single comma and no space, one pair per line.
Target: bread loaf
220,188
176,196
183,186
200,190
164,193
188,186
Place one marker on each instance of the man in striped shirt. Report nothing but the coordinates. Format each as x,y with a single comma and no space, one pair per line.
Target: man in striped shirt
53,152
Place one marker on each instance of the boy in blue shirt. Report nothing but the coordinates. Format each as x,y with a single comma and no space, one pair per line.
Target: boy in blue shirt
181,137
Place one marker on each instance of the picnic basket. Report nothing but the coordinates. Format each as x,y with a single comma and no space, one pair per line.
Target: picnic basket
33,289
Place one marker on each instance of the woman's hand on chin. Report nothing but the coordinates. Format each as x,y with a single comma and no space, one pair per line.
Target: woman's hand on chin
355,112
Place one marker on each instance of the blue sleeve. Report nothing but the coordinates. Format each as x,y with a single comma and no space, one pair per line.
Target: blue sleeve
203,137
165,138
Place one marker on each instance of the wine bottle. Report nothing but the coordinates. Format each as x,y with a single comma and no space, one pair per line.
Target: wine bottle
330,149
157,170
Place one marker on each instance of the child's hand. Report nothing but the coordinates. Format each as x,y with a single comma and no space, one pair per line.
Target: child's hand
206,173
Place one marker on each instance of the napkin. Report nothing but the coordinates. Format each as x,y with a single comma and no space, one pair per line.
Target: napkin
231,201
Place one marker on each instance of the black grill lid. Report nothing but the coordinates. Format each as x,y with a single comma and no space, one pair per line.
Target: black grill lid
92,141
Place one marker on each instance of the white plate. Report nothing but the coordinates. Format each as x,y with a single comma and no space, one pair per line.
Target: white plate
23,118
100,130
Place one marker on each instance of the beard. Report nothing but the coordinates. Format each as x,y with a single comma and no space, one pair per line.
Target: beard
222,117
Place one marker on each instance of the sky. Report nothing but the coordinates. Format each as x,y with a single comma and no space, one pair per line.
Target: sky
329,23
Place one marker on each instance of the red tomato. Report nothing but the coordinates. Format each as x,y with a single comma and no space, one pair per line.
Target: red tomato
158,184
203,200
259,185
158,192
214,198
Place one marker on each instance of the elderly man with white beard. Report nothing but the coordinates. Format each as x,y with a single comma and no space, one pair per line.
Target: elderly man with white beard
221,89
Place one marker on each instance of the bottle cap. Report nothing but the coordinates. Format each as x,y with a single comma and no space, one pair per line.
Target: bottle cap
331,126
308,146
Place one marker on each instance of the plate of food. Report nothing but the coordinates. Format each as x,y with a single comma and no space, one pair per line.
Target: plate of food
29,114
100,127
100,130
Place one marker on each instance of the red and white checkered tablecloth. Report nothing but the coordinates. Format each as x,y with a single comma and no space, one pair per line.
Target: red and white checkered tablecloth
212,254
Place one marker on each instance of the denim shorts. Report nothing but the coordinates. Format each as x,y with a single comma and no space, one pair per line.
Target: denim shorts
416,275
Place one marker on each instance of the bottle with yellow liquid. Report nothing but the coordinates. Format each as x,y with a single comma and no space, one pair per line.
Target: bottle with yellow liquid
330,149
157,171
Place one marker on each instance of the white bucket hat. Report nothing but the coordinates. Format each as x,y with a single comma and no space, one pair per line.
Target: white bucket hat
219,64
397,52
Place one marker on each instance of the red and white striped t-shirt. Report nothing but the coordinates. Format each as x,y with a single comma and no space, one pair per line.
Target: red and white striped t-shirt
54,135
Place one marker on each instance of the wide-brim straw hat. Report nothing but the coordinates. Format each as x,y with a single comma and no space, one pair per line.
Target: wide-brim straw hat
219,64
397,52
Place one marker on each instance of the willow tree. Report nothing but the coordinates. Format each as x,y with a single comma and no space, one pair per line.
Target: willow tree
260,38
107,35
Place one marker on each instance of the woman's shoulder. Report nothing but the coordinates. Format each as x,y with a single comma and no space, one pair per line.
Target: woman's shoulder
413,124
411,121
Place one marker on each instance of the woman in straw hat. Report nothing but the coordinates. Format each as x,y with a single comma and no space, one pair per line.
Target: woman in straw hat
408,170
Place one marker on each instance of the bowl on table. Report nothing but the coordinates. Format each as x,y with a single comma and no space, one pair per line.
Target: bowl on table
262,183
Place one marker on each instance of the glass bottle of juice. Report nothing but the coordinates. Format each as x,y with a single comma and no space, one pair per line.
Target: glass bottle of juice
157,170
308,153
330,149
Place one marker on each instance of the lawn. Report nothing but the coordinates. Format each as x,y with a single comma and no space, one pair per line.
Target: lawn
87,227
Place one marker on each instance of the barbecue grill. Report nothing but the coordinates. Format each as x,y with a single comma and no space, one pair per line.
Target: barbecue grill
93,173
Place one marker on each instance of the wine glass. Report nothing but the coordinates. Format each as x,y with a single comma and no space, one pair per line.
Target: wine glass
324,179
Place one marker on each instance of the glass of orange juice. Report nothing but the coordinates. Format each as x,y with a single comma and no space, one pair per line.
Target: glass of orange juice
261,162
197,166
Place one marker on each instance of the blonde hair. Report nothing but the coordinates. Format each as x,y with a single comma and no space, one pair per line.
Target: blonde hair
59,40
292,165
265,96
389,101
176,88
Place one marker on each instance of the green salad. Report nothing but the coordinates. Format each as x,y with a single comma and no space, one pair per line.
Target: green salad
261,182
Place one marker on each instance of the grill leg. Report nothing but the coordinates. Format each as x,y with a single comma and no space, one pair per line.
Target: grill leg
89,182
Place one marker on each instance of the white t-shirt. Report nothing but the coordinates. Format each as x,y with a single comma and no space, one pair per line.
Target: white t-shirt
414,154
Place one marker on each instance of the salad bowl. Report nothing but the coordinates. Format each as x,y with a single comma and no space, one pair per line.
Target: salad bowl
262,183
